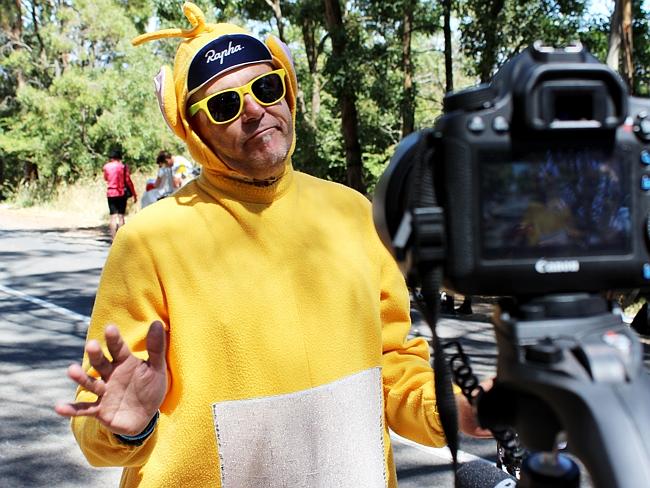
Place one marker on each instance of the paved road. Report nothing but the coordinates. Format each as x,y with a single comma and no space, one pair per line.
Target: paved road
47,283
48,279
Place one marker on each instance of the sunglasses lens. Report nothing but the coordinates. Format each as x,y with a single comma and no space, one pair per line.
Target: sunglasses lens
269,88
224,106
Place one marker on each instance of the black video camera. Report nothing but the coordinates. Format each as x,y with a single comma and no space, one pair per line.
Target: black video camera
542,179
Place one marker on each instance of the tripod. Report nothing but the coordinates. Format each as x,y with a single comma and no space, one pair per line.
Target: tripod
566,364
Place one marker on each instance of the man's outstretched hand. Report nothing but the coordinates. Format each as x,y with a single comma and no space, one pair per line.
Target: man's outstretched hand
129,390
467,415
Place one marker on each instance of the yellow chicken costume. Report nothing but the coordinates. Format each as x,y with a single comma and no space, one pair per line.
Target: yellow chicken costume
286,318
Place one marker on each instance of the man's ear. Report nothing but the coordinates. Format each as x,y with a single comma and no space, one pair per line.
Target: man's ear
166,95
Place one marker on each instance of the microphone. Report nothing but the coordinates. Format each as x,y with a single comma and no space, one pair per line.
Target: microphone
482,474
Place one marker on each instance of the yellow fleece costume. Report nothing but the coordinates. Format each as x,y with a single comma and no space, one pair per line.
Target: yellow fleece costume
286,320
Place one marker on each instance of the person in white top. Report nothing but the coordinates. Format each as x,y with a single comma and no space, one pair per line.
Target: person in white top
165,181
183,170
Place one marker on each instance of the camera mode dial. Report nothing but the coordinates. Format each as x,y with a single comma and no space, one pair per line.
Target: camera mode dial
642,126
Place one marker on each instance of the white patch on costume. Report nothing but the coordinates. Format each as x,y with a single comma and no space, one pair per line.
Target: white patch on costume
327,436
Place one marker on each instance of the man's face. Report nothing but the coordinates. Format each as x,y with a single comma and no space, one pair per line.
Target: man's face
257,142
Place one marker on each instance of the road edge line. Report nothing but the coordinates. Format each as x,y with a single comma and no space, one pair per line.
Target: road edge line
439,452
45,304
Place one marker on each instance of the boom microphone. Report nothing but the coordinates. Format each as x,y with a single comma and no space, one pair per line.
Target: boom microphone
482,474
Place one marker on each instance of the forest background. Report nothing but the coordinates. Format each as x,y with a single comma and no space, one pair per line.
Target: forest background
370,71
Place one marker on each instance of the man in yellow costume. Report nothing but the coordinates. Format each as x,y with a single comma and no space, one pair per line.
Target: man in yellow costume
275,354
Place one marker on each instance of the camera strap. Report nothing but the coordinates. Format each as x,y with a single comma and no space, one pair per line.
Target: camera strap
428,250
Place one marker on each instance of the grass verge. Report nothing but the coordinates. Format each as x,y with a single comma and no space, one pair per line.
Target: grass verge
82,203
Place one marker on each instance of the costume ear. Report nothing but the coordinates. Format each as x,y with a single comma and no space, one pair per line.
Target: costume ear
195,17
281,51
166,95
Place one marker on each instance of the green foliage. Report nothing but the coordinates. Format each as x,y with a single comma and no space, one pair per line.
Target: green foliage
72,86
641,46
66,123
170,14
139,12
492,31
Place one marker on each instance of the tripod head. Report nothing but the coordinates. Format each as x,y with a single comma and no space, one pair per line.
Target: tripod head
566,364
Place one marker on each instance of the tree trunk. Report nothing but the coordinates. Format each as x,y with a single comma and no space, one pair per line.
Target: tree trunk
626,40
489,55
312,51
13,26
2,177
347,97
408,96
353,159
614,48
30,172
449,67
277,13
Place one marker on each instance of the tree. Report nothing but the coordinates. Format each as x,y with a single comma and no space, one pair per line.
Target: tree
85,89
641,53
408,97
449,68
338,68
626,33
369,72
615,37
492,31
619,54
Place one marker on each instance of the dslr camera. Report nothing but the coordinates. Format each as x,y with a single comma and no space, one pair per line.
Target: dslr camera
543,178
535,187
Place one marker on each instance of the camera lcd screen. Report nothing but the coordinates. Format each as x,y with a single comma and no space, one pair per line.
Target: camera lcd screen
555,203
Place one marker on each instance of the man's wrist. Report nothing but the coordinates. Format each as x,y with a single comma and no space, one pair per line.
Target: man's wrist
138,439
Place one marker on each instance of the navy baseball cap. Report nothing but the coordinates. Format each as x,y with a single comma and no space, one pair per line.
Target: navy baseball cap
223,54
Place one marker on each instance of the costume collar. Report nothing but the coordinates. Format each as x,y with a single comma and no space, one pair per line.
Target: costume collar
220,185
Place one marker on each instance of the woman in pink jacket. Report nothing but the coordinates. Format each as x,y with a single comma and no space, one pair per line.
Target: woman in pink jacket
119,189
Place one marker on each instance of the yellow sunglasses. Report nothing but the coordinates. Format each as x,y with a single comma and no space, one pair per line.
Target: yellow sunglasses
226,105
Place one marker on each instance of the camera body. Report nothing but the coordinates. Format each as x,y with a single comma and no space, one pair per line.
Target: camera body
543,178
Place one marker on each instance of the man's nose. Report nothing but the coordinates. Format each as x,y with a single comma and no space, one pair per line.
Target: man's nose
251,109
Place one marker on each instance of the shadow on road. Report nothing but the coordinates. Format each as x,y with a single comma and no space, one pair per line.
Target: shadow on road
49,278
73,290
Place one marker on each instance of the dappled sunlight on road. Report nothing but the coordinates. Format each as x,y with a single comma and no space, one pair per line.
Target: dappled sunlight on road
48,280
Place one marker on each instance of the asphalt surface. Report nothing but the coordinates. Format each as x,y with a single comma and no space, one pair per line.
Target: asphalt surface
48,278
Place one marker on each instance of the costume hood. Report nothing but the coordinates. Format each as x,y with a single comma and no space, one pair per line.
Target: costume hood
225,47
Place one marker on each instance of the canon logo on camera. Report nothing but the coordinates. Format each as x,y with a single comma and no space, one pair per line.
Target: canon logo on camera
543,266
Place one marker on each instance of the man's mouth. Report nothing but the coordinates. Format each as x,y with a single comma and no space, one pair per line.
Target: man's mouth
265,133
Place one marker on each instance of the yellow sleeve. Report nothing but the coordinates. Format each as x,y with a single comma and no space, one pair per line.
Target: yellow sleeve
101,448
130,297
409,395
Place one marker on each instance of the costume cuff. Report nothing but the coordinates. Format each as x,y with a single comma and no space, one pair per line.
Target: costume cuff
137,440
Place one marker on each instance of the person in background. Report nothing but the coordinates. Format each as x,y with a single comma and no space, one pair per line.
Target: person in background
183,170
276,352
119,188
165,183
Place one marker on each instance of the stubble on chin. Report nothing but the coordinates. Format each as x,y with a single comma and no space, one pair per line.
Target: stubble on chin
259,164
271,153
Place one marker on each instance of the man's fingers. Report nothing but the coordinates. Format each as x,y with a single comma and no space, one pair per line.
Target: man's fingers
156,345
116,346
88,409
87,382
97,359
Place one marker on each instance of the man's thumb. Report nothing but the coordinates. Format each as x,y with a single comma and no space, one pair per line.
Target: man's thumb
156,345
